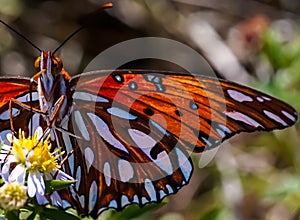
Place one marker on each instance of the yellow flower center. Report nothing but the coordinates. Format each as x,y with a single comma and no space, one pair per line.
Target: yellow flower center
36,152
12,196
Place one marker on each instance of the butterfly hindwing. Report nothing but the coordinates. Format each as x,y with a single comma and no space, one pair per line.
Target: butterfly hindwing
117,167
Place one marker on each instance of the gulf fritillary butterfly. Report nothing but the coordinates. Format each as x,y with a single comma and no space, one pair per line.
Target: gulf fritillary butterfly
130,138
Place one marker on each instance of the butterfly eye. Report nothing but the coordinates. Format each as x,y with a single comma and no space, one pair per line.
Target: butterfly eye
37,63
56,65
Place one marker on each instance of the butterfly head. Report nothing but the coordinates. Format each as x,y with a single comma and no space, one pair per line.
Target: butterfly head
49,62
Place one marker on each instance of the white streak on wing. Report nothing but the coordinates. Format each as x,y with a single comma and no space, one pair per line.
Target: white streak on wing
78,177
125,170
146,143
121,113
34,121
93,193
220,132
161,129
6,114
260,99
238,96
81,200
275,117
244,118
26,97
105,133
81,125
224,128
184,164
150,190
107,173
68,149
266,98
89,157
288,115
88,97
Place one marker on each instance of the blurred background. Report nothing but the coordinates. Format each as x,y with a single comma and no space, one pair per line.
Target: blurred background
255,42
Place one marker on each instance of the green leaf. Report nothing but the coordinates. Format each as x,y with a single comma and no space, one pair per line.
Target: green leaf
12,215
51,213
55,185
134,211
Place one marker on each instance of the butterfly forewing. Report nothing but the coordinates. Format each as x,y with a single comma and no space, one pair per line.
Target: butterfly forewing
25,91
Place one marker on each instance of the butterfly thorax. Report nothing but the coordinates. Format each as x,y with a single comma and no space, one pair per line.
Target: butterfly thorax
52,86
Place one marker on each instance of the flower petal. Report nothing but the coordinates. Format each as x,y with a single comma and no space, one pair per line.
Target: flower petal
39,182
31,185
18,174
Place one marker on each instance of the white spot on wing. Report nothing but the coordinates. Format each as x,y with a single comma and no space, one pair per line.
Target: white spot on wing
135,199
244,118
144,200
107,173
275,117
113,204
162,194
163,161
184,164
124,201
81,125
170,189
93,193
238,96
125,170
89,157
105,133
121,113
150,190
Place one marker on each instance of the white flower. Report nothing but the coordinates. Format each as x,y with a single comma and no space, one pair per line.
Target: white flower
31,157
12,196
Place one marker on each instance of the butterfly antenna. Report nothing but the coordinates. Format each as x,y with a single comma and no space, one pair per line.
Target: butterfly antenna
105,6
21,35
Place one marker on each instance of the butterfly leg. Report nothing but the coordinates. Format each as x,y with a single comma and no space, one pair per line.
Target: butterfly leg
21,104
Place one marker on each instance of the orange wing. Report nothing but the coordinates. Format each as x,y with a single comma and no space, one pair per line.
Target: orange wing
198,110
22,89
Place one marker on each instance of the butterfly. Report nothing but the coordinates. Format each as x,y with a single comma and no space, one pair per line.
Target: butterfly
131,131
